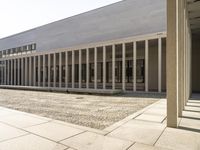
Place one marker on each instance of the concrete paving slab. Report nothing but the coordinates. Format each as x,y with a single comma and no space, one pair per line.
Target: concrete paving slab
157,111
93,141
194,109
54,131
190,114
8,132
30,142
4,112
190,123
21,120
139,146
139,131
177,139
150,117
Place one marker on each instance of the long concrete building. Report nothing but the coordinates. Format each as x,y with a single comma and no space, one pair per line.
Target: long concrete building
117,48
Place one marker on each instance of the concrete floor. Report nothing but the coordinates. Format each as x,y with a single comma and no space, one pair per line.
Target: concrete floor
143,130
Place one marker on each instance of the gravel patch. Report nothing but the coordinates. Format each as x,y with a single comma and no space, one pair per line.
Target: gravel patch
92,111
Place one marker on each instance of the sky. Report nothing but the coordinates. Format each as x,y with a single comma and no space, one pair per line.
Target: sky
20,15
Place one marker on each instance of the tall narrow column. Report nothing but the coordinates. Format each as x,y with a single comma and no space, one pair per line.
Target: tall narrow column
134,66
87,68
95,68
73,69
15,72
39,71
159,64
54,70
5,72
123,66
22,71
60,69
49,70
146,66
113,67
172,82
18,72
26,71
30,71
104,67
8,79
80,68
66,69
44,71
34,70
11,71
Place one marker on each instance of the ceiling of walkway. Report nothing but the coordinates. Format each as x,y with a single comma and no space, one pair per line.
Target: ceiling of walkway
194,15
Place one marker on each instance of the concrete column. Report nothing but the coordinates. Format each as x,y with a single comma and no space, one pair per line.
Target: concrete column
160,65
172,74
113,67
80,68
26,71
146,66
34,70
18,66
11,71
134,66
73,73
15,72
49,70
44,71
104,67
54,70
8,79
22,71
95,68
66,69
5,72
39,71
60,69
30,71
123,66
87,68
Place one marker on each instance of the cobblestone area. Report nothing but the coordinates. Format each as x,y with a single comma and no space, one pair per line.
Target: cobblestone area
87,110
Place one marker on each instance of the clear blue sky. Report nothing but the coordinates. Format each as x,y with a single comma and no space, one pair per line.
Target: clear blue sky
20,15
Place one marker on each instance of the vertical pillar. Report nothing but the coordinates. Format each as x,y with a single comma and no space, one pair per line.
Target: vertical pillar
95,68
104,67
159,65
66,69
54,70
11,71
30,71
15,72
44,71
113,67
22,71
18,63
172,82
8,79
34,70
26,71
60,69
80,68
146,66
39,70
49,70
123,66
87,68
134,66
73,69
5,72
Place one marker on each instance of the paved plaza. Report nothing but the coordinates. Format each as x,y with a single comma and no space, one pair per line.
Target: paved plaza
144,130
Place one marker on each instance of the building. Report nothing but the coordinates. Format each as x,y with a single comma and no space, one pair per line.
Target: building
95,51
